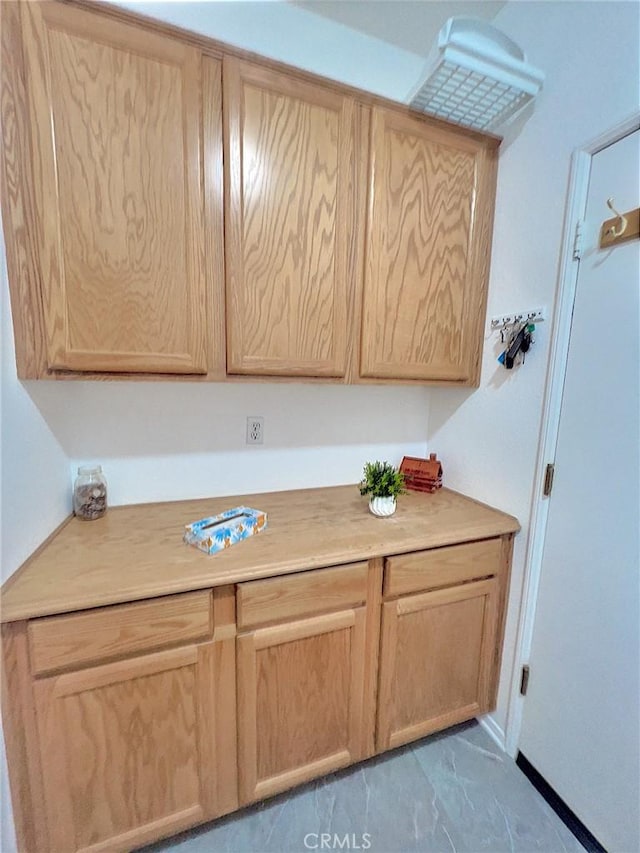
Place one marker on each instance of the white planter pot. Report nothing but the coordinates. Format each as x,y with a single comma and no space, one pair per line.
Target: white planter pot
382,507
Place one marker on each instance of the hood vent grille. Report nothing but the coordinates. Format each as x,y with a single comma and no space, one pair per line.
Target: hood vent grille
476,76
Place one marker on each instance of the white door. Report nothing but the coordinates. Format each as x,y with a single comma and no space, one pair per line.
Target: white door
581,718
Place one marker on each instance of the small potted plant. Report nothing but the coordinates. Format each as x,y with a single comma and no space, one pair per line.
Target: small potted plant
383,483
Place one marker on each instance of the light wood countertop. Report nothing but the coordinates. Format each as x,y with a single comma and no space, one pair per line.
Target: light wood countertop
137,552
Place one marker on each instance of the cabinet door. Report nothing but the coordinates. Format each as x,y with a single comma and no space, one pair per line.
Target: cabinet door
436,660
300,701
128,749
115,117
428,245
288,202
137,749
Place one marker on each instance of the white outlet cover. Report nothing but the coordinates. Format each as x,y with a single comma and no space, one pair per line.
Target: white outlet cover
255,429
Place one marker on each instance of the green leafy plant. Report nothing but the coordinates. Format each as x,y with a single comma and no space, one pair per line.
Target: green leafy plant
382,480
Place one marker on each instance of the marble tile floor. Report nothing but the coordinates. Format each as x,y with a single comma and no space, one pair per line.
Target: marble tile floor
454,792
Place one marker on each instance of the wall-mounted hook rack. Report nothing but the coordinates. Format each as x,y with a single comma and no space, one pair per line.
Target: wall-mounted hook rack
516,331
623,227
506,321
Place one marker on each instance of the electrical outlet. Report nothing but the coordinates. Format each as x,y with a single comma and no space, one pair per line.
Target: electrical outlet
255,429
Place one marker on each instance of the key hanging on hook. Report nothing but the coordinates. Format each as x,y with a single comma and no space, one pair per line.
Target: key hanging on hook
520,343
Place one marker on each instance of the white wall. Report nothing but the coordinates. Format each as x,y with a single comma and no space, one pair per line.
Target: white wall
489,439
289,34
167,441
35,492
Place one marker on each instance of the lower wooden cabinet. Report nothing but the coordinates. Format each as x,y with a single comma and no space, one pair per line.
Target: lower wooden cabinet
436,660
300,700
128,749
128,723
302,665
137,745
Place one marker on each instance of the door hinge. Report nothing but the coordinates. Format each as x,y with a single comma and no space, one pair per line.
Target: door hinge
524,680
548,479
578,240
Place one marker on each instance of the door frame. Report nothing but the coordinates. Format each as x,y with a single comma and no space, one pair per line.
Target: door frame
552,406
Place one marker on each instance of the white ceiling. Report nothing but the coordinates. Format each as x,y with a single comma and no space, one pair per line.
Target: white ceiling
412,25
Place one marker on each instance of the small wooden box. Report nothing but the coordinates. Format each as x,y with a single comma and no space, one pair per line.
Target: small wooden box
422,475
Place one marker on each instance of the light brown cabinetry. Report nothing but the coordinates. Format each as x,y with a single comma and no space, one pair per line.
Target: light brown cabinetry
130,718
435,660
301,683
124,749
288,219
348,239
115,190
427,250
141,742
437,647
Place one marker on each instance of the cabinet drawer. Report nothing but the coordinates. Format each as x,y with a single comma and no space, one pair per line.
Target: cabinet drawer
77,639
441,567
302,594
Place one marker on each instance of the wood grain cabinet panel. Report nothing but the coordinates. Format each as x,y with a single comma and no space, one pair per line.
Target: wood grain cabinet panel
131,722
300,701
288,208
301,594
126,752
437,660
427,252
115,128
100,634
439,567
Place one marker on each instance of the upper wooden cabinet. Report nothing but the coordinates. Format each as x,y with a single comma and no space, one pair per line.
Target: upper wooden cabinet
115,129
427,249
288,209
339,237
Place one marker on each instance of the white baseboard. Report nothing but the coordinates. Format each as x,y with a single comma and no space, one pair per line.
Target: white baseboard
494,731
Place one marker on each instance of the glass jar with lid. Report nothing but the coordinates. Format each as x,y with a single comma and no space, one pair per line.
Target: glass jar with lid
90,493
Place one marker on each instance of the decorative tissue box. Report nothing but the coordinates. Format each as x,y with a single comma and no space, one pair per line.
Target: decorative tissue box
221,531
